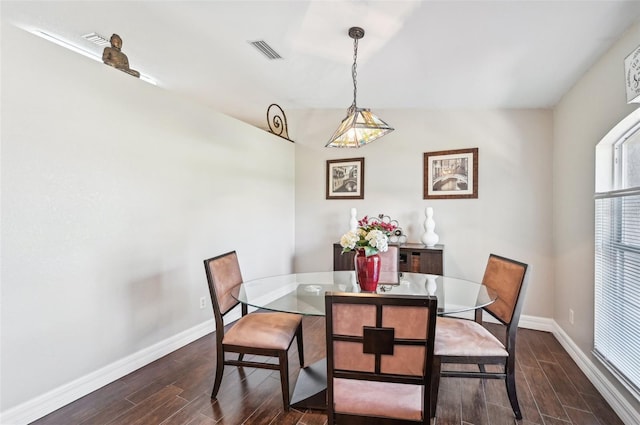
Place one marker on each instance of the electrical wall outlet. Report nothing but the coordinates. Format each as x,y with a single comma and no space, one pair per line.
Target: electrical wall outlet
571,316
203,302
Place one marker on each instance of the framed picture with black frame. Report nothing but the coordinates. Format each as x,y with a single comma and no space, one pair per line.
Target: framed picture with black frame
451,174
345,178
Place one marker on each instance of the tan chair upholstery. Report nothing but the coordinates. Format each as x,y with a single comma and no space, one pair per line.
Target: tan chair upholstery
262,334
462,341
390,266
379,358
390,259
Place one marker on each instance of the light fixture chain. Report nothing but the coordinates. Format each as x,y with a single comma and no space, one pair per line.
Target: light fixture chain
354,73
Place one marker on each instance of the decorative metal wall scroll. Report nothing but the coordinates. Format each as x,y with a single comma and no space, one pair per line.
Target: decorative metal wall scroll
277,123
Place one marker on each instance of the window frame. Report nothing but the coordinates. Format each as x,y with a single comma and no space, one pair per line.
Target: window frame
612,252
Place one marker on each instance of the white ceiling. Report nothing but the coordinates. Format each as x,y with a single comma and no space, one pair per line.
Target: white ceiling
415,54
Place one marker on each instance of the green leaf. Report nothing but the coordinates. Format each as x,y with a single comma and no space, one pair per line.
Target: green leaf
369,250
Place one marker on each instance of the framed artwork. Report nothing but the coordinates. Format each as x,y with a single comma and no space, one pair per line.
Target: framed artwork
345,178
451,174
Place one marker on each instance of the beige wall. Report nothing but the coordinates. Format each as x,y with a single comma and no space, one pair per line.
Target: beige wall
113,192
511,217
584,115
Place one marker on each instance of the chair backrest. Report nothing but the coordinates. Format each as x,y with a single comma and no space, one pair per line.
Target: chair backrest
506,277
390,259
390,265
224,278
376,337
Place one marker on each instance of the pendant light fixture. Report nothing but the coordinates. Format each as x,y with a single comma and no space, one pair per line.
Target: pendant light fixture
360,126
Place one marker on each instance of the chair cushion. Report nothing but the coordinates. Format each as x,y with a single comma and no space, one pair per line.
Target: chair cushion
263,330
460,337
372,398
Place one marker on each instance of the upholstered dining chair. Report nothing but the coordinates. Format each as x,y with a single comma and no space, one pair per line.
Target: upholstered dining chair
462,341
390,265
390,259
260,333
379,358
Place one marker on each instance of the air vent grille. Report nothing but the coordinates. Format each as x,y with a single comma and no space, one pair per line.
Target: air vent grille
266,49
96,39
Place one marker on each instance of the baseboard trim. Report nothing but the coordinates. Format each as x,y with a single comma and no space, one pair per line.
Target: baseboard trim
627,413
51,401
536,323
527,322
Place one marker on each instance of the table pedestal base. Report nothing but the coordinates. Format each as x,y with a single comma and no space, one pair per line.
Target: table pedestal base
310,391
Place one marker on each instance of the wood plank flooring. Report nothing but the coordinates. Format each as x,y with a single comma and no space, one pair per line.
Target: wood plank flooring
175,390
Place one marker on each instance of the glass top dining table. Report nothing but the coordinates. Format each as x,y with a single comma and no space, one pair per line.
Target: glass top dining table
303,293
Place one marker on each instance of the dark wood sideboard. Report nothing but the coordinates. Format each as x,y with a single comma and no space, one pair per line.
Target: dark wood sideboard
414,257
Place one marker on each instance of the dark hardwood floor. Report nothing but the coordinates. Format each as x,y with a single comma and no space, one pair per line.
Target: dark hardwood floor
175,390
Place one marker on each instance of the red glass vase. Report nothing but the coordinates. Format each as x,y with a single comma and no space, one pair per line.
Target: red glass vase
367,270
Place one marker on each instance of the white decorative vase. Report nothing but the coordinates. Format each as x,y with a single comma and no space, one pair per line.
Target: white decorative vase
432,285
429,237
353,222
354,284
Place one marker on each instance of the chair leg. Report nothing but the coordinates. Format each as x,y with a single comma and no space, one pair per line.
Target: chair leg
510,380
300,342
284,378
240,356
435,385
219,372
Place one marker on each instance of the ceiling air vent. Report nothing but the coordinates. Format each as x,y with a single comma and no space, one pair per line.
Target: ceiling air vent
266,49
96,39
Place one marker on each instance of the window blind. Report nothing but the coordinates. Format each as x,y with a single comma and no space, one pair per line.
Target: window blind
617,284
